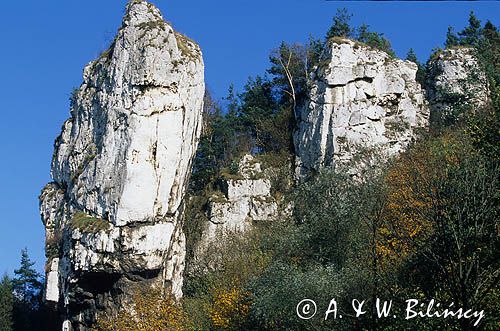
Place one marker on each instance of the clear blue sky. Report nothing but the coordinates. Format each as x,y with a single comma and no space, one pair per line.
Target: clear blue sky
45,45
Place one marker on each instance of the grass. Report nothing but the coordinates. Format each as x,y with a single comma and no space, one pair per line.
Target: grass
183,44
86,223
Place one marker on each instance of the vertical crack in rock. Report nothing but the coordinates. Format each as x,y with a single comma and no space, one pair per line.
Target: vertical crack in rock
360,98
120,167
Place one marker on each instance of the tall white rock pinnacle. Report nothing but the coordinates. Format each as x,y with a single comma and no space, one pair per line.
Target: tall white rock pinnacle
120,170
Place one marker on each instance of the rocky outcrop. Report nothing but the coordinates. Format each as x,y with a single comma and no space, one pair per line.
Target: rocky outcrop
360,98
456,83
245,198
113,213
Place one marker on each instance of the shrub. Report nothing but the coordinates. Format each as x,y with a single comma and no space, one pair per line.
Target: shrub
150,310
229,309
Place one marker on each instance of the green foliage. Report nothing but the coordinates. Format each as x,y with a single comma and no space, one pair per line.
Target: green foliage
290,68
6,304
222,268
450,200
411,56
27,289
26,284
421,72
340,27
404,231
374,39
465,236
471,35
452,39
362,243
86,223
221,141
484,131
329,228
260,120
281,286
234,168
258,103
73,96
278,167
482,124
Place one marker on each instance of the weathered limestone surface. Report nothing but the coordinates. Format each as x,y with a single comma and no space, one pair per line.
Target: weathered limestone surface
244,200
120,169
360,98
456,79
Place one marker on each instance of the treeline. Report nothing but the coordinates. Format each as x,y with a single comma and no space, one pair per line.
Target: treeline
21,304
425,226
262,118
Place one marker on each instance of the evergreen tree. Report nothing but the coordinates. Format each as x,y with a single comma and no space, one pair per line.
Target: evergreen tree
451,38
6,304
490,31
27,288
411,56
27,283
258,106
471,35
340,27
374,39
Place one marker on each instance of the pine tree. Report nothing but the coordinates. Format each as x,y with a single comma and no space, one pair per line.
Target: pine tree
6,304
411,56
471,35
26,284
451,38
374,39
340,27
27,289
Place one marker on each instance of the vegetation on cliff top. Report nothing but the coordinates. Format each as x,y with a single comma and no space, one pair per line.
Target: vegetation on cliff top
406,232
424,227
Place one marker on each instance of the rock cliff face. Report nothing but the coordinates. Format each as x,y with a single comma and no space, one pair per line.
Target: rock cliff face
360,98
456,81
239,200
113,212
245,198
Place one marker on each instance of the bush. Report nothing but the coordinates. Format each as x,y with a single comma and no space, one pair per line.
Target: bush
150,310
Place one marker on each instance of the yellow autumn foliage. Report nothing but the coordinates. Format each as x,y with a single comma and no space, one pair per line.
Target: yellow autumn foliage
229,309
412,198
150,310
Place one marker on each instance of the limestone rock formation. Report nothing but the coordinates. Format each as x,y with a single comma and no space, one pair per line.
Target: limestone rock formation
456,81
360,98
245,199
120,168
